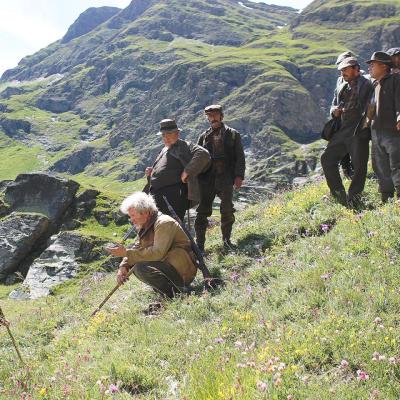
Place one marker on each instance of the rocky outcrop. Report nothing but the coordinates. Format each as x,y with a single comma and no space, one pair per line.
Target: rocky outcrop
75,162
58,263
41,193
89,20
19,234
54,104
15,127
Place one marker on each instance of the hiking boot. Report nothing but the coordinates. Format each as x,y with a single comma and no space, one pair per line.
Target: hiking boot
340,196
386,196
228,244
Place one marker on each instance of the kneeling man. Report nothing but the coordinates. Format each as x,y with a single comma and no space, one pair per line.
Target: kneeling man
163,258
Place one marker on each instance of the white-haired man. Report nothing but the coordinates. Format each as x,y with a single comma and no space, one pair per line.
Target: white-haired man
163,259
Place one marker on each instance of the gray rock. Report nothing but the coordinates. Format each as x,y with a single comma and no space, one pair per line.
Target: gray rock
15,127
57,264
54,104
4,209
75,162
19,234
41,193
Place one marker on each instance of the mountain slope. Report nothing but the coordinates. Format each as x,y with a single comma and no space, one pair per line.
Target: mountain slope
97,99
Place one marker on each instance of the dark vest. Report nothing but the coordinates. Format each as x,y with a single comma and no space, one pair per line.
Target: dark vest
167,170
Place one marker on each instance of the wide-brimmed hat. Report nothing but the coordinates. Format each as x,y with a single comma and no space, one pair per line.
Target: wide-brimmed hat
344,55
382,57
394,51
213,107
168,126
348,62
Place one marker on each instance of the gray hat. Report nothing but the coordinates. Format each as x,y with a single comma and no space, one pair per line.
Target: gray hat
382,57
344,55
394,51
213,107
168,126
348,62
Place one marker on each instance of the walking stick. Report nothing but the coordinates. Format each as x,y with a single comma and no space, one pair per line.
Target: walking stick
4,322
209,281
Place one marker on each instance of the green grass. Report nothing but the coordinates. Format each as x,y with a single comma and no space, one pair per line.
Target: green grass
311,297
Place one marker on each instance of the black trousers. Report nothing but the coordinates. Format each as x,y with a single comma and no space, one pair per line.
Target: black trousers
176,196
204,210
386,160
161,276
344,142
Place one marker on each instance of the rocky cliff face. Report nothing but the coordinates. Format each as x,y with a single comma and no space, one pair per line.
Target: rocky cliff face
40,240
93,103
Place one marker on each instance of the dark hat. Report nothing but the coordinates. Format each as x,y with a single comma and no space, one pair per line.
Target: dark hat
213,107
168,126
344,55
382,57
394,51
348,62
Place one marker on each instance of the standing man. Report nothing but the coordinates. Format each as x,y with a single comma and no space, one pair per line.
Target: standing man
349,104
385,124
226,172
395,54
345,162
174,172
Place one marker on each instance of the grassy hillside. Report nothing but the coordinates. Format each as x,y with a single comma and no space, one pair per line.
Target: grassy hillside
309,311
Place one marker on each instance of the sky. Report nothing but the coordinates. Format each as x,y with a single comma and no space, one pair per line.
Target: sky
27,26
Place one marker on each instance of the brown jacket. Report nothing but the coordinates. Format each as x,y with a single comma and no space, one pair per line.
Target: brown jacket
166,241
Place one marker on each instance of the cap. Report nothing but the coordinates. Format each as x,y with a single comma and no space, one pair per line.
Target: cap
344,55
213,107
168,126
348,62
394,51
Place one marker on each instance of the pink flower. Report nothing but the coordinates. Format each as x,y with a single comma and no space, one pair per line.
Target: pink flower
377,320
262,386
375,394
392,360
290,397
219,340
113,388
344,363
362,375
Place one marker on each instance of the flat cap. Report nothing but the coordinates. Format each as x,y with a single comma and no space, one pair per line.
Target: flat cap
348,62
168,126
394,51
213,107
344,55
381,56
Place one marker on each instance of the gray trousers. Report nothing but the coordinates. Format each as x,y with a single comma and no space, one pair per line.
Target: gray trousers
161,276
344,142
386,159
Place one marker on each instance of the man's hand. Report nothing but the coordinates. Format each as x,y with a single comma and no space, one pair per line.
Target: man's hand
117,250
122,274
4,322
398,126
337,112
148,171
238,183
184,177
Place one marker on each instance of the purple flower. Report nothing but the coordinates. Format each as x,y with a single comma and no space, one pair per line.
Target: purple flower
344,363
113,388
219,340
325,228
362,375
262,386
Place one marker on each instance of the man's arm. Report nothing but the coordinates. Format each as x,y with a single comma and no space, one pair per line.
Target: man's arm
240,164
200,161
397,99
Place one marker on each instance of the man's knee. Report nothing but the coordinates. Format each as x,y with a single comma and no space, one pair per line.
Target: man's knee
141,271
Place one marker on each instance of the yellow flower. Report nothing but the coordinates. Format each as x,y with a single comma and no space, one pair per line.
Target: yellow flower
43,392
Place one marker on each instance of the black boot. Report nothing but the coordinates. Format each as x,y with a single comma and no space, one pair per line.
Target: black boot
340,196
386,196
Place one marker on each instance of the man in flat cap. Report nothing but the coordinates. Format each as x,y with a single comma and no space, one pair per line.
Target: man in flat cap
385,117
175,169
227,172
345,162
394,52
349,104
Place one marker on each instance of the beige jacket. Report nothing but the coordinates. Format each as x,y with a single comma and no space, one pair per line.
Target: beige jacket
166,241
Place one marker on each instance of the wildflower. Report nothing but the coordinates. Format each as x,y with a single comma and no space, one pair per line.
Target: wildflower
261,386
234,276
43,392
240,365
344,363
277,379
371,234
290,397
326,276
219,340
375,394
251,364
325,228
393,360
377,320
362,375
238,344
113,388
